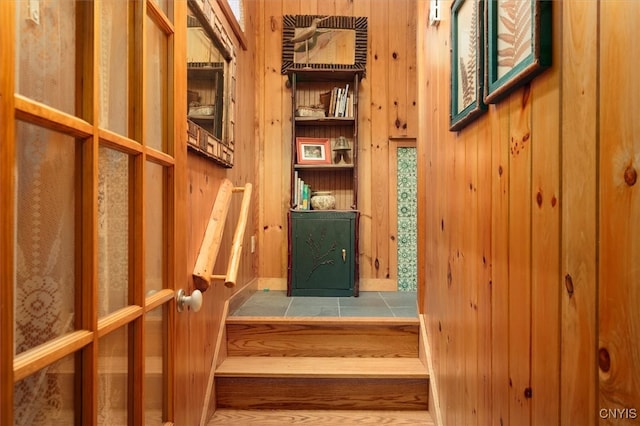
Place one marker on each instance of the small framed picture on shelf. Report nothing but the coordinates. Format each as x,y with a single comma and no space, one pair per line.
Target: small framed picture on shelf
313,150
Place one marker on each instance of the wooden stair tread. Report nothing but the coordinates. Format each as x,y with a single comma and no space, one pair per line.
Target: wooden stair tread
227,416
328,321
322,367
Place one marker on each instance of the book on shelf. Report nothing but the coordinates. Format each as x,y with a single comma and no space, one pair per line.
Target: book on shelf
301,194
332,103
306,192
338,102
343,101
296,190
336,110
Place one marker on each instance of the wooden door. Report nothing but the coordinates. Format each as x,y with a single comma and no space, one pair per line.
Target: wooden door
91,172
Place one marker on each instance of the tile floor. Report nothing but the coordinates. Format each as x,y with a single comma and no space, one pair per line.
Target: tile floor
368,304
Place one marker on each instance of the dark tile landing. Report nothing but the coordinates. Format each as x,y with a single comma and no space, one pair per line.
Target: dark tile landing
369,304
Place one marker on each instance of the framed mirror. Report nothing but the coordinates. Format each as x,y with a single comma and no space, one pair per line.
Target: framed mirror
324,42
210,85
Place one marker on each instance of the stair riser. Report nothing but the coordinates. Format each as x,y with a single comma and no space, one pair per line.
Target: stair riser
385,341
322,394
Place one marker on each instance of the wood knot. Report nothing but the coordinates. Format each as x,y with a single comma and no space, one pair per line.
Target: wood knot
604,359
500,171
395,55
630,176
539,198
568,283
528,393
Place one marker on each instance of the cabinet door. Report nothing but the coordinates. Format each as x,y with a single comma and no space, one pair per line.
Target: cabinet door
323,254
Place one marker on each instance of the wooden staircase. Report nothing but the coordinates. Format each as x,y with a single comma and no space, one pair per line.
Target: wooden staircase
328,364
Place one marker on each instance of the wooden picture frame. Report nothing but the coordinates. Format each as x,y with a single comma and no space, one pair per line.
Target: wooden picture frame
313,151
467,63
518,44
334,43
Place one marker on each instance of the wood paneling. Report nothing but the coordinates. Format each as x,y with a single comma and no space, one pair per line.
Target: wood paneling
377,68
519,254
545,247
198,332
545,244
579,173
387,91
619,211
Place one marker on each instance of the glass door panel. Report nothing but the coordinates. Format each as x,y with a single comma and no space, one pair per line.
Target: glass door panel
46,51
154,214
156,87
46,235
114,211
155,342
114,65
113,376
47,396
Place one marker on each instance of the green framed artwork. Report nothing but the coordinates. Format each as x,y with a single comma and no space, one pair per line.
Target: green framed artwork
466,63
518,44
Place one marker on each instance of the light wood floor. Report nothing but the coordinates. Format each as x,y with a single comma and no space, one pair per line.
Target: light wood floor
320,417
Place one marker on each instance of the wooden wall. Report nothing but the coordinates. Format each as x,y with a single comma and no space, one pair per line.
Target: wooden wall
198,333
387,114
529,222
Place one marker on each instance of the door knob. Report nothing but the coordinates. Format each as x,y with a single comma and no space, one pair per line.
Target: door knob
194,302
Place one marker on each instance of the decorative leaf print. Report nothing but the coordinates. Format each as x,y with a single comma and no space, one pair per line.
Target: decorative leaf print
515,16
468,70
467,85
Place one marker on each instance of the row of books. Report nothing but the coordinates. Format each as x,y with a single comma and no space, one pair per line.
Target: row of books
341,102
301,194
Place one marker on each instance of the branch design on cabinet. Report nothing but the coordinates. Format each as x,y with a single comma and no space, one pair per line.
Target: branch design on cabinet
319,258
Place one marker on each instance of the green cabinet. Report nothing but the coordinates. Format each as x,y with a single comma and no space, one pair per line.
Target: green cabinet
323,253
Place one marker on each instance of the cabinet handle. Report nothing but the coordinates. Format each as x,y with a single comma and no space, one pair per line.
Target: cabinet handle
344,256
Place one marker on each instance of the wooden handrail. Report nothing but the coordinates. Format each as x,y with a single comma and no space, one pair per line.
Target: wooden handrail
238,237
203,270
212,237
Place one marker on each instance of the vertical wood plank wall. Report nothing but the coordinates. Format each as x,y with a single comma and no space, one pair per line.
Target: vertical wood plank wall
531,222
387,111
199,332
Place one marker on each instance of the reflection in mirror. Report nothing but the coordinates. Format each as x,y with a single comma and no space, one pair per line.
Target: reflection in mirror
205,68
